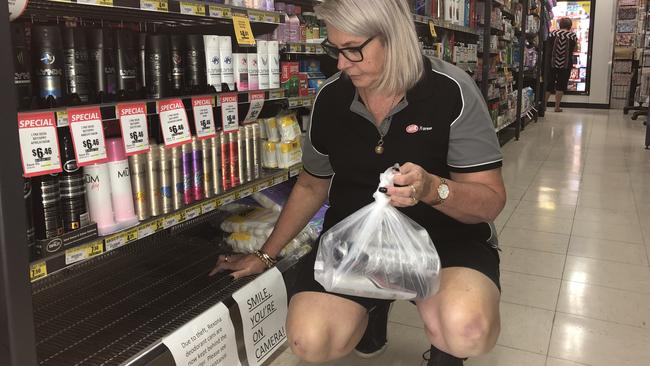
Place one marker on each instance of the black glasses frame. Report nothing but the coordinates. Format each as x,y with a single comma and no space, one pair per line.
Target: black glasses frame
334,52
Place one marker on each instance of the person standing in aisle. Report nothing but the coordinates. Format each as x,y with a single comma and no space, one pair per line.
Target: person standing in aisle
389,104
560,46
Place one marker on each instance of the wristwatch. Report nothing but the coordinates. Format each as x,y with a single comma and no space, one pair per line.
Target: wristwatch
443,192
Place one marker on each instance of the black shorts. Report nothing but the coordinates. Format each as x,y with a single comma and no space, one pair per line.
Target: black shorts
558,79
474,254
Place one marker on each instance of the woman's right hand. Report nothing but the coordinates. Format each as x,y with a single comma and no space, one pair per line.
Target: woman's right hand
241,265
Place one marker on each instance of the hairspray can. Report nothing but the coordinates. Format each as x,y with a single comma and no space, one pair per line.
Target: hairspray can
47,215
127,64
153,180
121,192
47,57
71,185
138,171
227,67
29,217
166,182
216,164
257,150
188,174
253,70
178,183
248,150
98,188
158,73
23,67
177,55
212,61
241,155
225,160
233,139
195,76
76,63
197,169
208,186
263,64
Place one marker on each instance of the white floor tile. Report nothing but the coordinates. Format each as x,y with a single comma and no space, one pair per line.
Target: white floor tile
535,291
525,328
505,356
532,262
536,240
608,250
605,273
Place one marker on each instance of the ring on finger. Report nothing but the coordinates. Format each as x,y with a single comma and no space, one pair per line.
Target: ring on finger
413,191
414,200
226,258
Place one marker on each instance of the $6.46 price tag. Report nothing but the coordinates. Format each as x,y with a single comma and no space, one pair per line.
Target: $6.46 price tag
133,122
39,145
87,135
229,112
203,117
173,121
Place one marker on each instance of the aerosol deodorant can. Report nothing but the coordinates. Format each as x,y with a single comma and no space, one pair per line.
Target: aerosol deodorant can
177,55
153,181
241,155
208,186
216,164
138,171
248,150
76,63
23,67
121,192
47,57
126,64
188,174
71,184
47,215
257,151
98,188
166,181
195,72
225,161
29,218
177,177
197,169
158,72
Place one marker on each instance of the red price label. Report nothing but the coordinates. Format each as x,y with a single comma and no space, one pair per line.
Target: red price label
229,112
39,144
174,124
133,123
87,135
203,117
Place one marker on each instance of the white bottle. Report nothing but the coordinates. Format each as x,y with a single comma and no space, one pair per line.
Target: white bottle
253,71
240,60
274,65
227,67
263,64
213,61
98,193
122,196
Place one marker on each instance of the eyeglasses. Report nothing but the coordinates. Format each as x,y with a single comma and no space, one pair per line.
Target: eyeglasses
353,54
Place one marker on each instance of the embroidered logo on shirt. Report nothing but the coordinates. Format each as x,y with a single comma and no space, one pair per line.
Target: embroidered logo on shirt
415,128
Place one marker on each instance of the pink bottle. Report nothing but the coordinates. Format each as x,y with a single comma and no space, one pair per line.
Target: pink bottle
120,177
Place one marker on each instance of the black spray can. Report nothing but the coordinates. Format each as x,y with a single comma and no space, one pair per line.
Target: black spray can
127,64
72,186
158,71
29,219
195,71
76,64
46,208
47,58
22,66
177,56
142,62
101,50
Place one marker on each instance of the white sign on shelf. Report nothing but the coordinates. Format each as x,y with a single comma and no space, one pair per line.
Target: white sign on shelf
39,144
203,117
173,121
256,100
16,8
133,122
87,135
263,307
229,112
208,339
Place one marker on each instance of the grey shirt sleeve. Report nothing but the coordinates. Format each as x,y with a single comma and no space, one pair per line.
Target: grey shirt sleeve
473,143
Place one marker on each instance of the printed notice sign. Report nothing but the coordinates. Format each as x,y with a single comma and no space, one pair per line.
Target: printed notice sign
263,307
256,100
87,135
207,340
133,122
39,144
203,117
229,112
173,121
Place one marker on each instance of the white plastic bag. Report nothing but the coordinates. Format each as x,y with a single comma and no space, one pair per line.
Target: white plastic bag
378,252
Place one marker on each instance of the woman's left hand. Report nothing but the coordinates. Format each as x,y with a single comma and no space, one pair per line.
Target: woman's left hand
417,184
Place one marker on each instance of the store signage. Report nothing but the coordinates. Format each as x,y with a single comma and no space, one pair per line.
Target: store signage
229,112
256,100
39,144
203,117
173,121
208,339
16,8
243,30
133,123
87,135
263,307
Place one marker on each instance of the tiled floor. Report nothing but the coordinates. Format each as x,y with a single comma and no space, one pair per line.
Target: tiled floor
575,236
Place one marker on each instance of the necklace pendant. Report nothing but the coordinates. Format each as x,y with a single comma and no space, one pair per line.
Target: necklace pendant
379,149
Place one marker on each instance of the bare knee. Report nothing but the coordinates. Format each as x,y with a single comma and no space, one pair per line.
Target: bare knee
309,344
469,332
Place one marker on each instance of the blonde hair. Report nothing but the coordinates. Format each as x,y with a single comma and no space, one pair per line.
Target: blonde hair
392,22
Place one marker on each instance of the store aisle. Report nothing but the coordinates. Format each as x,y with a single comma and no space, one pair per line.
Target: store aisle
575,236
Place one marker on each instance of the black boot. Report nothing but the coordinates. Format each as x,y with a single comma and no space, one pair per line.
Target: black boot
374,341
437,357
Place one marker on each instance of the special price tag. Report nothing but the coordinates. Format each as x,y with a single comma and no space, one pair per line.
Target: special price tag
256,100
87,135
229,112
432,29
133,123
203,117
243,30
173,121
39,144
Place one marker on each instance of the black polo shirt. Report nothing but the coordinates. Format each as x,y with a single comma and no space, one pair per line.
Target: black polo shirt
442,124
